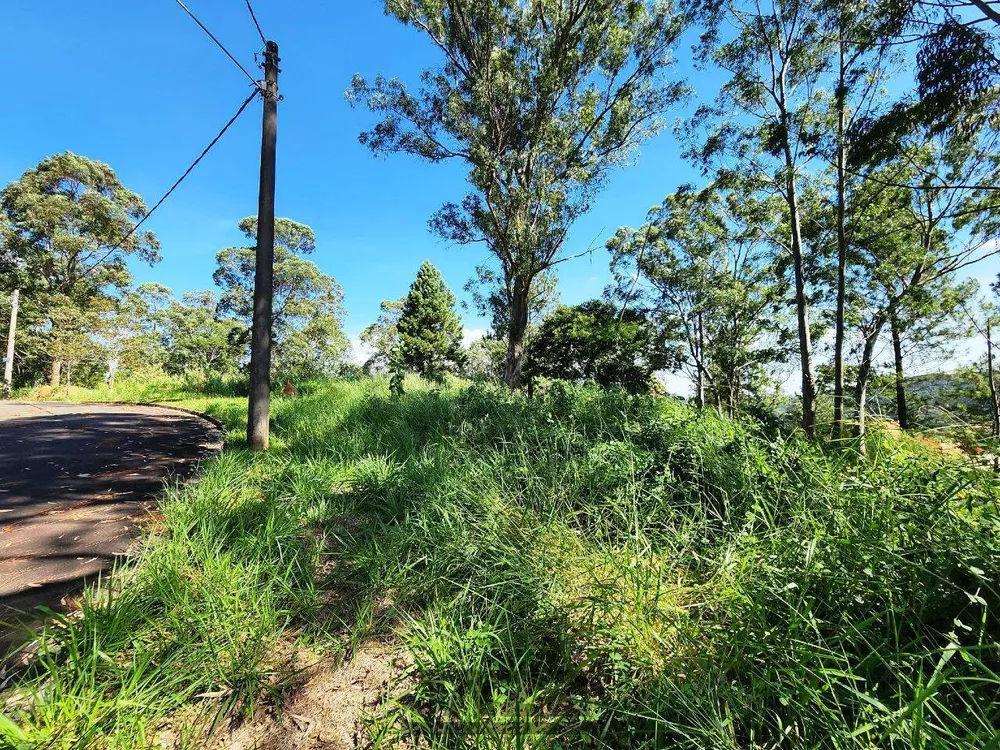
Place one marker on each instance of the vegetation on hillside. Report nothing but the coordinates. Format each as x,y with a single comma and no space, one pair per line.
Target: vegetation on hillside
587,568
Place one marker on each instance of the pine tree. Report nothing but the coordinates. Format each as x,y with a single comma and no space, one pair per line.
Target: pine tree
430,331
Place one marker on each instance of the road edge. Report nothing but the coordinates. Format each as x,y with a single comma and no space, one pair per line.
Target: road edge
9,641
193,412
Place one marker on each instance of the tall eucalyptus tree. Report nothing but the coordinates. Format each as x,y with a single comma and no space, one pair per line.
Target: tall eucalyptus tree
858,34
541,99
763,127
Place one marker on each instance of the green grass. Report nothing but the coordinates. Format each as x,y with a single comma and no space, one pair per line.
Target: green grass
586,569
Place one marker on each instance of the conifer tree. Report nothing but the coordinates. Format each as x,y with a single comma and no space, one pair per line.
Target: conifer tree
430,331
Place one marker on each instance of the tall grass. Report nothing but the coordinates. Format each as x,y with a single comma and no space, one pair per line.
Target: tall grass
587,569
150,388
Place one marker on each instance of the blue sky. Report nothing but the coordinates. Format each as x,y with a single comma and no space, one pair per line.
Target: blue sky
144,90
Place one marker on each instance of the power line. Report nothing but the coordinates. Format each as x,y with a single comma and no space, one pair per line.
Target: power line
944,185
220,44
246,103
181,179
253,15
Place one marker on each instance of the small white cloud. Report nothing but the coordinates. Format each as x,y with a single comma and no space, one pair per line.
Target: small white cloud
360,352
675,383
471,335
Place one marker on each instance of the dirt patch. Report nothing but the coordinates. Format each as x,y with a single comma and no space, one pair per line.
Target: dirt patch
327,710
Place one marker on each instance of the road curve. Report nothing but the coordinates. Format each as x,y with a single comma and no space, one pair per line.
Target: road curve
76,480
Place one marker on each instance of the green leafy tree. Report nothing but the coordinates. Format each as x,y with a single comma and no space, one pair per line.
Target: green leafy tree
12,275
541,100
762,127
927,323
429,329
383,335
308,305
131,332
198,340
484,358
74,328
906,231
956,47
594,342
32,360
985,321
315,349
704,270
70,234
858,34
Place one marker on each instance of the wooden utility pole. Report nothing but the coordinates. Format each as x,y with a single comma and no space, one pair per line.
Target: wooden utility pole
8,368
260,344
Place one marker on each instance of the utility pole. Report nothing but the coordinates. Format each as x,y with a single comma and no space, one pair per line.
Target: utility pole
258,426
8,368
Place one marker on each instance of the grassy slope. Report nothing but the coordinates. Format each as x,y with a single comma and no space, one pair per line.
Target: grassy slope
585,569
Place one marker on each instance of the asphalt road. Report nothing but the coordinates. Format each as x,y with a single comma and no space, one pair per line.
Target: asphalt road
77,481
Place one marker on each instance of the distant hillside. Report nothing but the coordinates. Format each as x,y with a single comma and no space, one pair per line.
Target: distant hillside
935,400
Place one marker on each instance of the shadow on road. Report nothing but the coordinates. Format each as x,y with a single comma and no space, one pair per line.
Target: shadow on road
76,482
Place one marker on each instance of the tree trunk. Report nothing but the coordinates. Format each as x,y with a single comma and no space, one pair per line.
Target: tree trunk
994,398
861,403
801,308
801,298
902,415
55,373
864,373
518,325
838,346
700,396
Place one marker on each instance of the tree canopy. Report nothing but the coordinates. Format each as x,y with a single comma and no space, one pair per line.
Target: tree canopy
703,269
70,227
308,309
383,335
541,100
595,342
